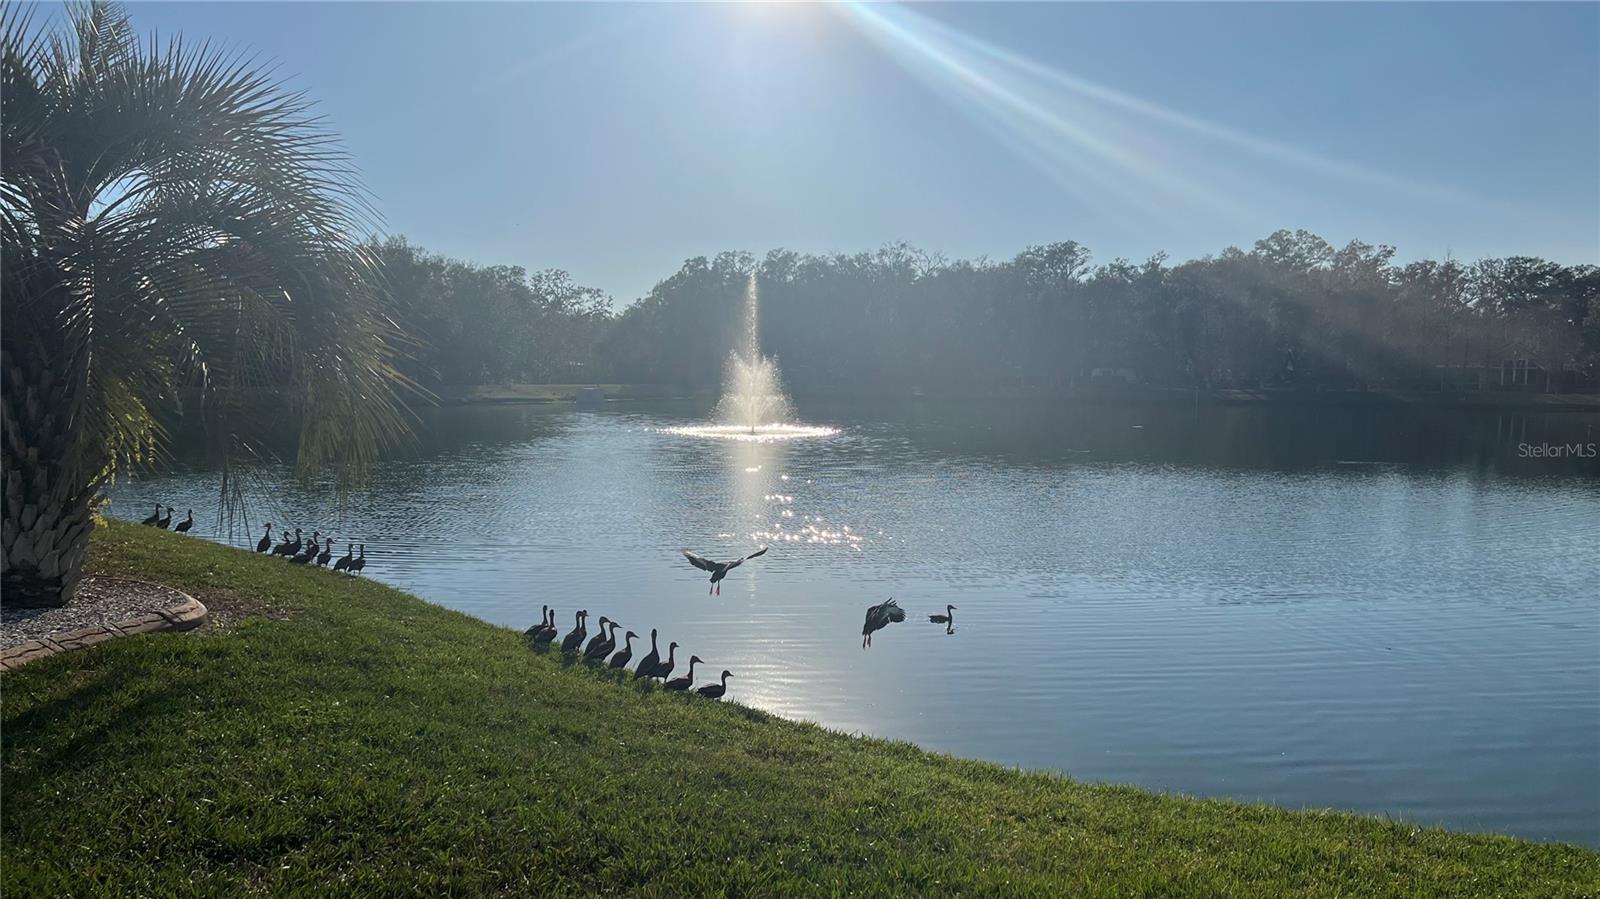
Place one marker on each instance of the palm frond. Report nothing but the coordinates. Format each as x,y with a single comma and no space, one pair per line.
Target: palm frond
175,220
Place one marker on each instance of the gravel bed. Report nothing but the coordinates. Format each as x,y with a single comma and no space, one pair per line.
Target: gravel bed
100,600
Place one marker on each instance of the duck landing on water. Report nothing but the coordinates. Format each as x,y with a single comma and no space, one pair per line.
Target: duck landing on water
879,617
719,570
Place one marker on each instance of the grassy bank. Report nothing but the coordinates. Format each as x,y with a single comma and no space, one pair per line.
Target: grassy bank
344,736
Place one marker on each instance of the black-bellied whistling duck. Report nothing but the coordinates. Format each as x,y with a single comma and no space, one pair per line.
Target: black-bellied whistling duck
288,547
606,645
624,655
598,638
878,618
680,684
647,665
184,525
343,562
151,520
544,619
947,618
665,668
165,520
719,570
325,555
547,631
360,561
265,543
572,641
715,691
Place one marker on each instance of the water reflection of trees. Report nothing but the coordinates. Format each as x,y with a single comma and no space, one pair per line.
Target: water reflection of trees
1034,433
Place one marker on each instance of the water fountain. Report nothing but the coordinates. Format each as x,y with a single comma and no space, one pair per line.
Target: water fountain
752,388
753,404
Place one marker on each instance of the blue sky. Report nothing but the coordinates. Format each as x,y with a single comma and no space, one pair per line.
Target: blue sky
617,140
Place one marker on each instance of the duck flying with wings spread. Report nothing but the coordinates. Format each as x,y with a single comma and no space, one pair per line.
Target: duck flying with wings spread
719,570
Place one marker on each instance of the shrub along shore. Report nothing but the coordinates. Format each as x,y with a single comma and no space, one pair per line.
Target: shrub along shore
344,736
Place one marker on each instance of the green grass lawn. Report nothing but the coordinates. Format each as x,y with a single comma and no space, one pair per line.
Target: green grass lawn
345,737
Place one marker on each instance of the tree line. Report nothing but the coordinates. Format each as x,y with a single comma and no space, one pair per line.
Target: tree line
174,237
1292,311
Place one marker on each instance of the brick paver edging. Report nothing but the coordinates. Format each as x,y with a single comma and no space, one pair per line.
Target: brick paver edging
184,615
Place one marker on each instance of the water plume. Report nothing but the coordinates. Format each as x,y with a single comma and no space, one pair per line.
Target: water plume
753,405
752,387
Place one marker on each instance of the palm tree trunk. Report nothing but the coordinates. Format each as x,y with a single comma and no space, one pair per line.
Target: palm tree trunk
44,531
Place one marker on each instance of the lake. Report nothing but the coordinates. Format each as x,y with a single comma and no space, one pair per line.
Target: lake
1394,612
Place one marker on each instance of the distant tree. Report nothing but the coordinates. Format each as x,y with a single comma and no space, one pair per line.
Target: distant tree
493,324
1295,251
1294,310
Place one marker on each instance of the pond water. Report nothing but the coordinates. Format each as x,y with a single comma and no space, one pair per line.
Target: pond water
1391,612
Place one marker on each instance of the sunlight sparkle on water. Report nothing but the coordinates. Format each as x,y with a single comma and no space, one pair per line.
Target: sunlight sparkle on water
810,533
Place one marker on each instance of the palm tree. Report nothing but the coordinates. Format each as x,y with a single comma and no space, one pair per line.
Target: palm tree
173,224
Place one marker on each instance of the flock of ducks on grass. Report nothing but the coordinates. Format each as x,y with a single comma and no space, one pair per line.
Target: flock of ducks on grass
602,647
602,650
165,521
316,551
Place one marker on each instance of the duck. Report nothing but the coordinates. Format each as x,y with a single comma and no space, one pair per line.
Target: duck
544,619
715,691
624,655
597,639
547,631
151,520
665,668
680,684
879,617
309,551
288,547
165,520
343,562
647,665
265,543
719,570
359,562
325,555
572,641
947,618
184,525
598,653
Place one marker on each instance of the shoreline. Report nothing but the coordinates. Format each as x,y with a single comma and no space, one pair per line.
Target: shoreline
340,709
1277,398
